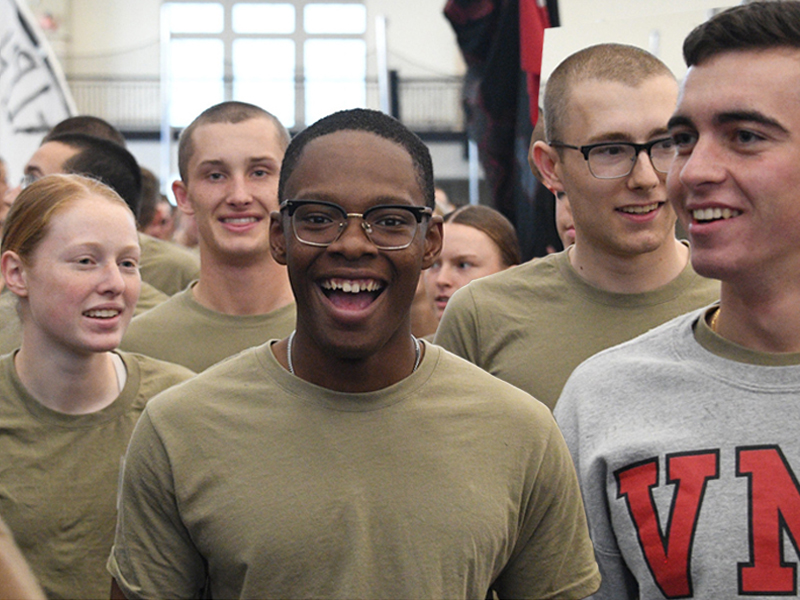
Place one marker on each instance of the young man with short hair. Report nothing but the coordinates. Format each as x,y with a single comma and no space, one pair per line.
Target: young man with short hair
229,160
351,460
685,439
606,110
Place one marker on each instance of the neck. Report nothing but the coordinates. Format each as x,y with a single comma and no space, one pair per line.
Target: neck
375,371
629,274
255,288
66,382
765,320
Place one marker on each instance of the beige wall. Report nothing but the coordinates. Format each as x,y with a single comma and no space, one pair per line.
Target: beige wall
121,37
658,26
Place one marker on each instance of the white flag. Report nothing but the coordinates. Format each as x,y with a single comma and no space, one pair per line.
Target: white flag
33,92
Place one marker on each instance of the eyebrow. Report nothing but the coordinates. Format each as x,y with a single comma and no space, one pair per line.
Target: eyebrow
619,136
260,159
217,162
680,121
752,116
734,116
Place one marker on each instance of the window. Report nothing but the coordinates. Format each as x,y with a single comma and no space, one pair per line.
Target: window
300,60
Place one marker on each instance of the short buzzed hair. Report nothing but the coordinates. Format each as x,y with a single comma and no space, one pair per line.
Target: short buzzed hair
754,26
620,63
369,121
224,112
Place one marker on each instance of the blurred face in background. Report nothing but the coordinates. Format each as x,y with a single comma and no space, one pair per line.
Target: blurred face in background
163,224
467,254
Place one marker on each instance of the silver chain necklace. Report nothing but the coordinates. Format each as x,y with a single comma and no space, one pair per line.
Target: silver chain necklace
290,343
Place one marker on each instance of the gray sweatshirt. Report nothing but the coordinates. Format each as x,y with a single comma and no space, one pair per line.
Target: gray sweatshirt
686,448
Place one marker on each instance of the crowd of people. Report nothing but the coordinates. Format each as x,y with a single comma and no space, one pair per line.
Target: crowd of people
333,387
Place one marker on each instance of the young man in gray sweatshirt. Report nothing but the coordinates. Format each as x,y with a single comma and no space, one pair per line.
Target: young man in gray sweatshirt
686,438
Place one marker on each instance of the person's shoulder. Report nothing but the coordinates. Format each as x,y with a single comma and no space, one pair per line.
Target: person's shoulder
524,275
233,373
539,274
167,264
153,369
164,312
463,377
149,298
659,345
169,250
151,376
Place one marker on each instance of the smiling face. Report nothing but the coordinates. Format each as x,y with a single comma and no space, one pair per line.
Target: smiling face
735,181
231,187
82,281
467,254
629,215
353,300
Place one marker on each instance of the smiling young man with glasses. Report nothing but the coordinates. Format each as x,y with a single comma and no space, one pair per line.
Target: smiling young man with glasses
351,460
606,110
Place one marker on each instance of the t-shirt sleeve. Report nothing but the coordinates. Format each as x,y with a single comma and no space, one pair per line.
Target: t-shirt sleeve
553,557
153,554
458,329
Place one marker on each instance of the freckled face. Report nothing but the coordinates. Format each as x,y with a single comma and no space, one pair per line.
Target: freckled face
83,280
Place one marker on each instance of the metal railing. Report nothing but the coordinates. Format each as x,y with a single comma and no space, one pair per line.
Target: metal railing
430,105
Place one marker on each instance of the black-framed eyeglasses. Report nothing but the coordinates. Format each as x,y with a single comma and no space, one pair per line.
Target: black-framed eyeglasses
612,160
387,226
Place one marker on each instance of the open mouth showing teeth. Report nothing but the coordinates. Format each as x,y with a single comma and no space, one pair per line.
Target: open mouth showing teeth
714,214
101,314
240,220
351,294
640,210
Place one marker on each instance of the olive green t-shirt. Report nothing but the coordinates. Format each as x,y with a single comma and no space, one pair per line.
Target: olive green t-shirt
531,325
184,332
167,266
59,475
265,485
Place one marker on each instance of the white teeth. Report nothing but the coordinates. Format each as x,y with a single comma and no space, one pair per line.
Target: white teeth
640,210
350,286
712,214
240,220
102,314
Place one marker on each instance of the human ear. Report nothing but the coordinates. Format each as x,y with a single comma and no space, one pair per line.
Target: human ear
277,237
14,274
182,197
433,241
548,162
